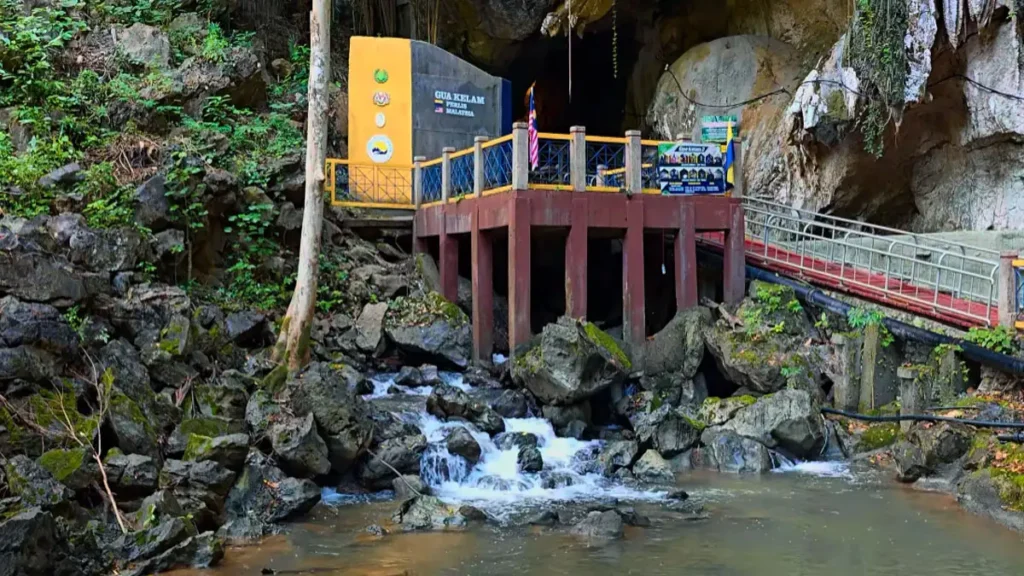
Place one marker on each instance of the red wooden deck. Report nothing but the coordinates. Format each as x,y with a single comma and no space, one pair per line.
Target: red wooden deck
874,286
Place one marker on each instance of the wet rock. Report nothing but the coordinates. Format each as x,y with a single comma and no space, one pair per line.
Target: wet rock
910,460
447,402
298,447
576,429
370,329
428,513
340,414
511,404
27,543
727,451
431,327
981,494
145,45
561,416
158,506
599,525
26,363
668,429
618,454
718,411
409,486
263,492
200,551
37,325
33,276
520,440
402,454
241,531
571,361
430,375
387,425
552,480
205,475
631,517
461,442
409,376
227,397
942,442
246,328
35,485
152,208
651,467
132,475
789,419
530,460
486,419
209,426
229,451
543,518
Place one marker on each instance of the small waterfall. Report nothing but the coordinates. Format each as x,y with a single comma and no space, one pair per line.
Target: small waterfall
384,385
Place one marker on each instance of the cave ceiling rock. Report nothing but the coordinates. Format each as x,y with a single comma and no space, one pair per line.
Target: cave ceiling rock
583,12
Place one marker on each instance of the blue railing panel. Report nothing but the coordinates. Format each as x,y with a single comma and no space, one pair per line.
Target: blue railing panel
553,165
611,156
498,166
462,176
432,183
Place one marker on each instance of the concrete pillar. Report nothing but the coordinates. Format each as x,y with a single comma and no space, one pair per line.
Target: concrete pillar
846,387
878,382
483,292
602,172
578,158
634,162
738,183
686,259
518,273
634,326
478,165
912,393
576,261
449,266
417,180
520,156
1007,288
950,379
446,172
734,285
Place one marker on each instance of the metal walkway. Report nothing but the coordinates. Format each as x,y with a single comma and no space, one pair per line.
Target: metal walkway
950,282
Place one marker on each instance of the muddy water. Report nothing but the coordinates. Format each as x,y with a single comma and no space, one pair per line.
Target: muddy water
778,524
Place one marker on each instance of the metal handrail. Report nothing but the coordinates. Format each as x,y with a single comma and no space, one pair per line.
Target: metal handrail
810,241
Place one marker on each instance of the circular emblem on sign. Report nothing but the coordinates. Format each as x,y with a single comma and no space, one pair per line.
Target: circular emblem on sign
381,98
380,149
380,120
380,75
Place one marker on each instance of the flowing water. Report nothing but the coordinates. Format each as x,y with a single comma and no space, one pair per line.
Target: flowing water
805,519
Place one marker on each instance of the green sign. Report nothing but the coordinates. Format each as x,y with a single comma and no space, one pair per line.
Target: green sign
380,75
716,128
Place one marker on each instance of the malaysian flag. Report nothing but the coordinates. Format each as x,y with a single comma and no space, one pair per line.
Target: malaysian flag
534,133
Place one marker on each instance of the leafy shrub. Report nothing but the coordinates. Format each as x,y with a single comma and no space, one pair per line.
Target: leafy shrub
999,339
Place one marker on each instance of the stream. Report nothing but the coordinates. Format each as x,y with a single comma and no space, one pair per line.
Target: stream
807,518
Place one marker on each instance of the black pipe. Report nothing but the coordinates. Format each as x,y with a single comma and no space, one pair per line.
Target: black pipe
923,418
817,297
1018,438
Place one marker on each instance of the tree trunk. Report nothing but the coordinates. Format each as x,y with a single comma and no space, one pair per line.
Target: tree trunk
292,349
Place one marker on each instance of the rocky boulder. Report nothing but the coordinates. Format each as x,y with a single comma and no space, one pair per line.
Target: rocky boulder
132,475
201,551
229,451
298,447
264,494
246,328
789,419
462,443
727,451
28,540
370,331
409,486
402,454
428,513
596,525
446,402
571,361
340,414
512,404
651,467
430,328
145,45
618,454
35,485
530,459
75,468
679,347
36,325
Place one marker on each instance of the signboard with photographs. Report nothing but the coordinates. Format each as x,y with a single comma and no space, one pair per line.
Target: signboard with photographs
685,168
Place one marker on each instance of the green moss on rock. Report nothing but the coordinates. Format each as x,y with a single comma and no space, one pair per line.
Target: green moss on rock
606,342
62,463
880,435
210,427
197,447
409,311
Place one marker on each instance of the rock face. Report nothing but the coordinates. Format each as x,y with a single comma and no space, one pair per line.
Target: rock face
298,446
461,442
265,494
402,454
447,401
369,327
432,328
669,430
339,413
27,543
428,513
651,467
789,419
730,452
599,525
145,45
571,361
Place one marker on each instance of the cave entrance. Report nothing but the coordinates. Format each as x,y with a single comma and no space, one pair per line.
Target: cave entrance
547,276
604,278
598,99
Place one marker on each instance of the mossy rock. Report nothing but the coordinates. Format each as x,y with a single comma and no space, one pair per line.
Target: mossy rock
608,344
410,311
133,429
879,436
197,448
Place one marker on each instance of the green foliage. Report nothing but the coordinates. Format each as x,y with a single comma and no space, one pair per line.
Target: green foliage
860,318
109,203
999,339
152,12
879,436
28,45
251,246
878,55
822,322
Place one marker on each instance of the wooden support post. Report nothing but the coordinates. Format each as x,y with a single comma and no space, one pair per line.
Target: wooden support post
686,258
634,163
478,165
578,158
417,180
634,326
738,183
483,291
518,273
735,259
1007,288
520,156
602,173
576,261
446,172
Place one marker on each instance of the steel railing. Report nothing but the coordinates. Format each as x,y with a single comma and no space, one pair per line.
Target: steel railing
912,268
